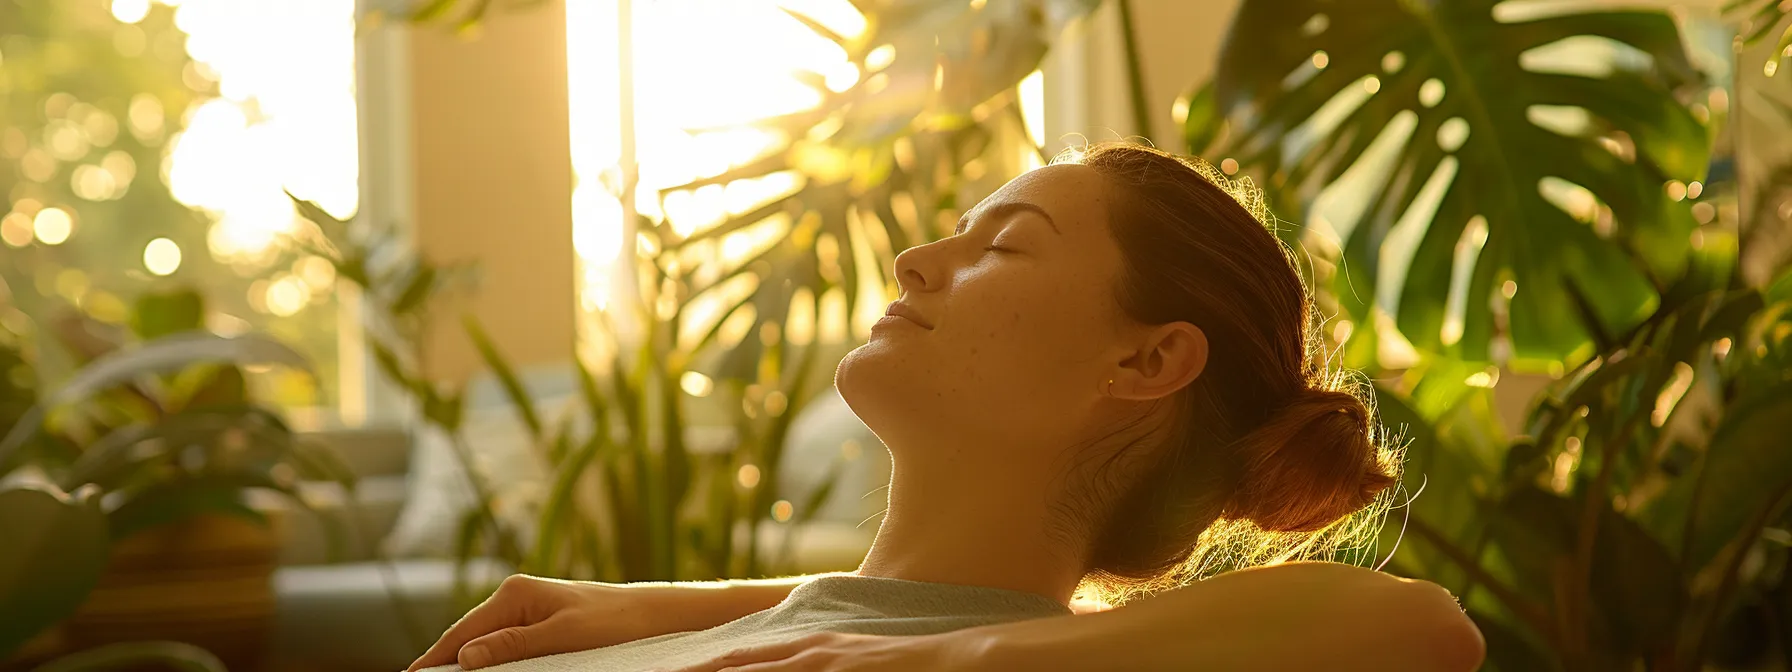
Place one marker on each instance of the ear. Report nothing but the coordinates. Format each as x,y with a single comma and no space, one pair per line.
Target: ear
1170,357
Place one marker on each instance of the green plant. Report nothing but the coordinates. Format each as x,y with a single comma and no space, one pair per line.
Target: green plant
60,546
1613,531
1630,521
166,427
623,503
163,430
59,549
1549,176
1763,16
880,163
884,163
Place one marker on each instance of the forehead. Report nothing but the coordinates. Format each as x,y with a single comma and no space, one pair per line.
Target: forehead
1073,194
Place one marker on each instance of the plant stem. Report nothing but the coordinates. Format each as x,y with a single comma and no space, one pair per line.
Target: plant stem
1521,607
1481,541
507,548
1577,588
1135,72
1738,550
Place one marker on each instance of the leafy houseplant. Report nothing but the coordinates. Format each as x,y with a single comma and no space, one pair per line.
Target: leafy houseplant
880,164
1630,521
1485,146
59,554
1615,529
165,439
1760,19
628,499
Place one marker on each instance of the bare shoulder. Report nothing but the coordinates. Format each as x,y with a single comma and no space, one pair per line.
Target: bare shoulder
1420,616
1333,574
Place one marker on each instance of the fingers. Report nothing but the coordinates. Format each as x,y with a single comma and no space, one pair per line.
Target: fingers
508,607
517,643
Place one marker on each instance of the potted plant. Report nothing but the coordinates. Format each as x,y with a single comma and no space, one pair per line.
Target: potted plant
60,550
165,444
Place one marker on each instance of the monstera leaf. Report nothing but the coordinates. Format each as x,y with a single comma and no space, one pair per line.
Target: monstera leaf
1480,114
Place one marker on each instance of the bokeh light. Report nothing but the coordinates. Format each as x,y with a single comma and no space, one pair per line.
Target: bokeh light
696,384
748,476
287,295
53,226
161,256
15,229
130,11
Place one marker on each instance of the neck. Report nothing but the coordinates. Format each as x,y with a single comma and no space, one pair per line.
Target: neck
942,527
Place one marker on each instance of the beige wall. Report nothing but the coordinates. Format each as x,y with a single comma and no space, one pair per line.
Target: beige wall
1179,43
492,176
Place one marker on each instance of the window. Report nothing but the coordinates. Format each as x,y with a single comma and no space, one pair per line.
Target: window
150,145
700,72
690,109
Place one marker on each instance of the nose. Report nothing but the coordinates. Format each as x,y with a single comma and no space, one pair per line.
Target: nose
917,269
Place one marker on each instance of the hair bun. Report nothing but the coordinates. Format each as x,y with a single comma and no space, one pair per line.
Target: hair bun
1311,463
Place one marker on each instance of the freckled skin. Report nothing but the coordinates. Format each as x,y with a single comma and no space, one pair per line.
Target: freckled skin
1021,335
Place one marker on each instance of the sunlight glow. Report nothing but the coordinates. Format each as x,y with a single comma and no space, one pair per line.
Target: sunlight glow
285,120
1032,106
692,116
130,11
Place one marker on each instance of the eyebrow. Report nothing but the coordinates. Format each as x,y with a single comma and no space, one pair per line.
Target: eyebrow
1010,207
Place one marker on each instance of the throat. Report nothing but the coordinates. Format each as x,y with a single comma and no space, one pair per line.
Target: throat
941,530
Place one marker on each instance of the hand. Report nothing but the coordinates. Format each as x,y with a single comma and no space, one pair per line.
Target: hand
837,652
530,617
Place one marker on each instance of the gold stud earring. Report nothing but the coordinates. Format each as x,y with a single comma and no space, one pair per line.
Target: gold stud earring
1110,390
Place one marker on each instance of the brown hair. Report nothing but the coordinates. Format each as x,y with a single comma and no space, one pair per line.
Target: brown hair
1272,453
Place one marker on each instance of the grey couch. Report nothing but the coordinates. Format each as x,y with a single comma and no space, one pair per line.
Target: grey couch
355,611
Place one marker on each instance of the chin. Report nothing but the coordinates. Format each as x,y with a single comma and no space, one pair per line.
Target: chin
874,382
855,373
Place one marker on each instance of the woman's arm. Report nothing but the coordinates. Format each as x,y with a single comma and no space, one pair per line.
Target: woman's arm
1288,617
529,617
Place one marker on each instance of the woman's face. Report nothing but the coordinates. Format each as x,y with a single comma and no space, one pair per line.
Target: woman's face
1004,334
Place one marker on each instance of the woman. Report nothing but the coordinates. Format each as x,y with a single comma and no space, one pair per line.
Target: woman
1107,383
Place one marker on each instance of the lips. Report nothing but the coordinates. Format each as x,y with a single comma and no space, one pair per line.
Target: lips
902,310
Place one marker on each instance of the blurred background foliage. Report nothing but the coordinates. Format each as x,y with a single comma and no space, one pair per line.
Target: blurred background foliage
155,431
121,167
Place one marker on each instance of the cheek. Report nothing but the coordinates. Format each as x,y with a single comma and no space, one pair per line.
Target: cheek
1031,324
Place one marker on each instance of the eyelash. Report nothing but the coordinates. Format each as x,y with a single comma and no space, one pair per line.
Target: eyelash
991,248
